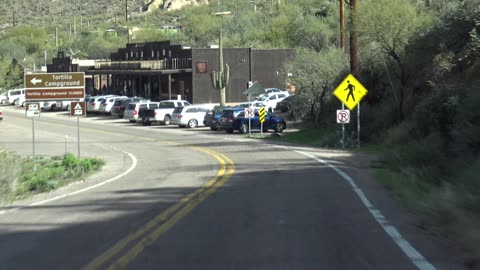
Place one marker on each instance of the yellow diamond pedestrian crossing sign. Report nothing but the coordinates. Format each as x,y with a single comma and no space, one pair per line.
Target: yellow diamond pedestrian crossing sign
350,91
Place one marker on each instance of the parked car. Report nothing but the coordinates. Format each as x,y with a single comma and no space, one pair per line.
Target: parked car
212,116
20,101
286,104
48,106
89,100
270,101
94,105
234,119
271,90
14,94
119,106
191,116
3,99
163,114
63,105
255,104
1,115
133,109
107,104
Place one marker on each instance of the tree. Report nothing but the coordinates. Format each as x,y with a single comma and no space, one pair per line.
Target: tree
390,27
14,75
316,74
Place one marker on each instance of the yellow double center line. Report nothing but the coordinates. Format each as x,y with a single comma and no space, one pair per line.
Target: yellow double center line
127,249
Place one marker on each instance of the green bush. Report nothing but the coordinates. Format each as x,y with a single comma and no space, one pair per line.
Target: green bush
425,157
50,173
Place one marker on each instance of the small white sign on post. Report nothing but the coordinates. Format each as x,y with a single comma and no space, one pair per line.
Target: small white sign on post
249,113
343,116
32,110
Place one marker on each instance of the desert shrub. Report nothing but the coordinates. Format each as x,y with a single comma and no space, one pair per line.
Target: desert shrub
425,157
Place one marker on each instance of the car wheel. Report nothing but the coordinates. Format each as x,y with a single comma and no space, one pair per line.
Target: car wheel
181,126
279,127
23,104
192,123
68,107
167,120
214,128
229,130
146,123
132,121
243,129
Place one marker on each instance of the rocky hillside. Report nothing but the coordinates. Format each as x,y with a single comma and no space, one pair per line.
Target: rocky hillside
58,12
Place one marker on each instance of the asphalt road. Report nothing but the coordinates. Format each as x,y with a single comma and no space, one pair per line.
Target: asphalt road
172,198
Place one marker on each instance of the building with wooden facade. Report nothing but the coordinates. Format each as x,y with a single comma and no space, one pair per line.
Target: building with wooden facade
160,70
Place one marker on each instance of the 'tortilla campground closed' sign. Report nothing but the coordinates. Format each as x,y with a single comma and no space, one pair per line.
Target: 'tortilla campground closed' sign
55,86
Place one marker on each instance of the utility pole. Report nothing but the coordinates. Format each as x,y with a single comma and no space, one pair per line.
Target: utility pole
342,24
126,21
353,38
126,11
13,14
354,54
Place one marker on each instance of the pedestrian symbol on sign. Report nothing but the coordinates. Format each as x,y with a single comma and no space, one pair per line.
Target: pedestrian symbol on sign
351,89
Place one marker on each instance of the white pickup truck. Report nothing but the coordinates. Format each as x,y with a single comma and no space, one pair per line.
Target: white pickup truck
163,114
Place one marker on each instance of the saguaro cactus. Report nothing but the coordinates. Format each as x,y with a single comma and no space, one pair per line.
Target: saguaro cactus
220,78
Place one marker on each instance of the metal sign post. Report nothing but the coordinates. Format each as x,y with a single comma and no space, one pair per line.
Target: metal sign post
343,129
33,139
249,119
78,109
32,110
78,135
358,125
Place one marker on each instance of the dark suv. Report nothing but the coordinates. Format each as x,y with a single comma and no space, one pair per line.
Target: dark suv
234,119
212,116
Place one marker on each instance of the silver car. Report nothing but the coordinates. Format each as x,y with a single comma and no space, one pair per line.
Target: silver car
191,116
132,109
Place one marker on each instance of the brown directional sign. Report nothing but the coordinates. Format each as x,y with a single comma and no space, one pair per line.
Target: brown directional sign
55,80
78,108
55,86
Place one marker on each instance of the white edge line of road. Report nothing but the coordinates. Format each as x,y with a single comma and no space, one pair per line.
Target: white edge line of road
415,257
134,164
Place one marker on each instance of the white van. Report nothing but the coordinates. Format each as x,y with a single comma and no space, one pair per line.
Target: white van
14,94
